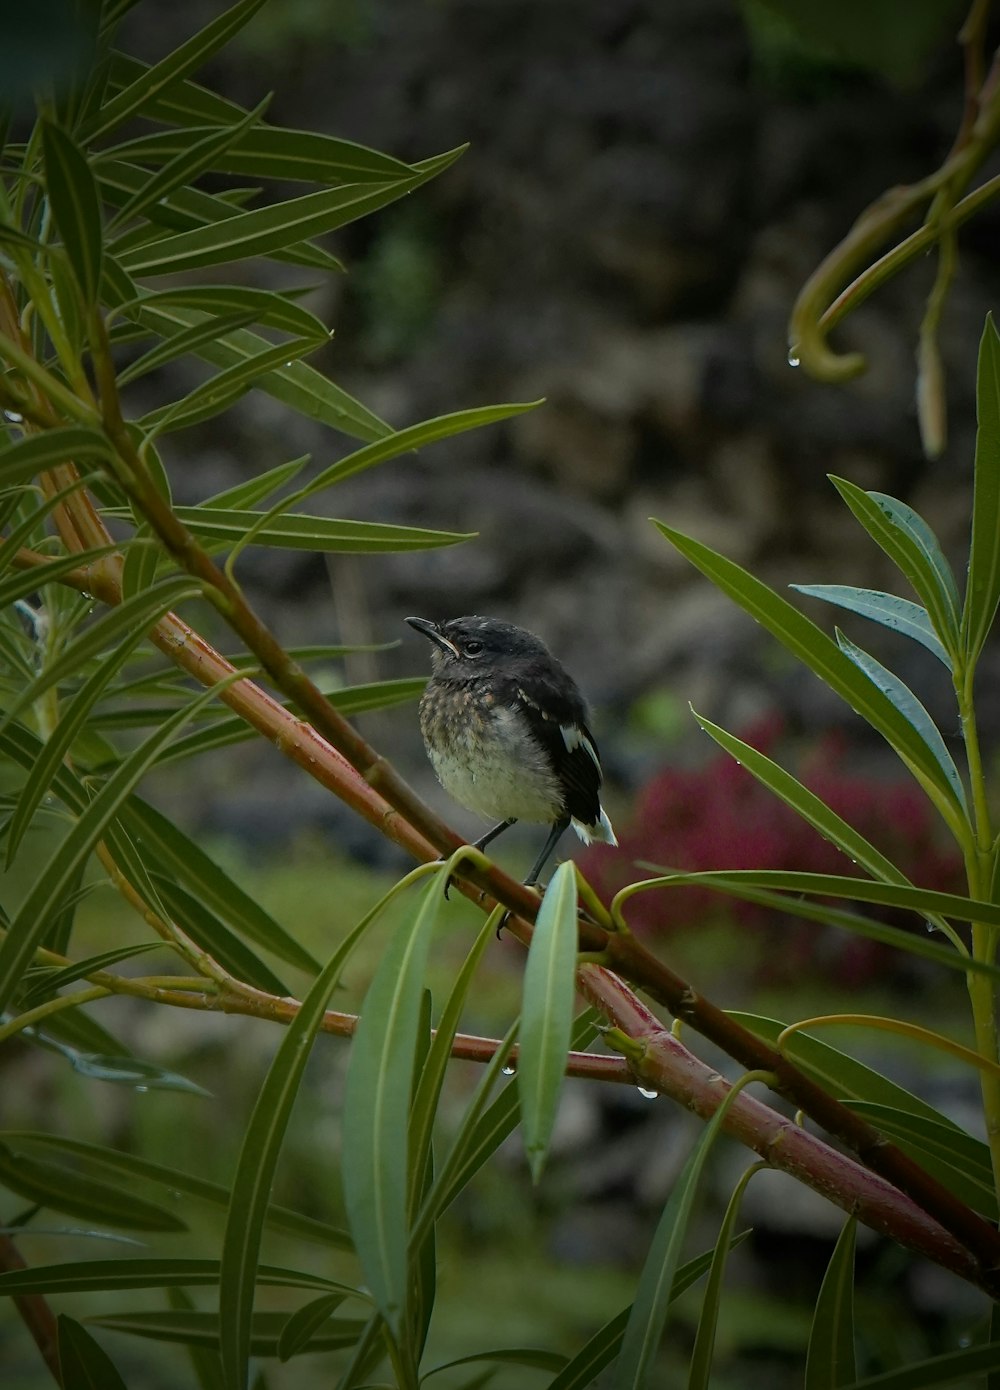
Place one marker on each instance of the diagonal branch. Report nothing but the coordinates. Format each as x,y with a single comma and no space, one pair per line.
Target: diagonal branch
627,956
329,748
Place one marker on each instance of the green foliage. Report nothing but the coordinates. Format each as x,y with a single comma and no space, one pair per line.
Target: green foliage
113,268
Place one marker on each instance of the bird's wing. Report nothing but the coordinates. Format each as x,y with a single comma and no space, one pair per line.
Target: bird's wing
557,719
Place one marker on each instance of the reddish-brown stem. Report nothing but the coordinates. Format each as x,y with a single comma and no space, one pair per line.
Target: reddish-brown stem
622,951
35,1313
667,1067
332,750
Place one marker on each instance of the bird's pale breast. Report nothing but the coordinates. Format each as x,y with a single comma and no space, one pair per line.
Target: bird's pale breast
486,758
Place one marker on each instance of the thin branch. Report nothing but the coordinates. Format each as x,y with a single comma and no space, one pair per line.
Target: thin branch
885,218
35,1313
371,785
627,957
657,1060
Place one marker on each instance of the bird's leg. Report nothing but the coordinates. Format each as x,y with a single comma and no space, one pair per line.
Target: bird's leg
554,836
484,840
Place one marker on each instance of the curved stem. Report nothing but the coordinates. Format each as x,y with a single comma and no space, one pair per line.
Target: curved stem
811,318
51,1006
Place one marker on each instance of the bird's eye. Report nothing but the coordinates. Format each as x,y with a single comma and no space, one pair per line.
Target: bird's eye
473,647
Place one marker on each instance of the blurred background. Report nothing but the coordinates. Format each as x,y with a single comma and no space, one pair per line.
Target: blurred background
646,188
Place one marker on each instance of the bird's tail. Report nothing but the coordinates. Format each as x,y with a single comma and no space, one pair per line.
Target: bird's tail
600,830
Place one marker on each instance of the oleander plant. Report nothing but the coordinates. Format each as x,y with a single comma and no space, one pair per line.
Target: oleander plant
128,241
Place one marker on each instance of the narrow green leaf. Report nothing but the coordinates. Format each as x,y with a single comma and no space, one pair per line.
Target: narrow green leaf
43,900
221,391
224,732
805,803
376,1111
257,1164
533,1357
652,1296
142,611
924,901
297,532
299,386
914,549
188,340
547,1014
276,310
368,1351
821,654
204,1361
14,649
845,1078
254,490
910,708
212,885
183,210
72,192
700,1365
961,1162
304,1323
484,1127
402,441
90,1276
603,1347
897,614
131,1071
169,103
206,1330
13,236
144,559
982,591
104,1160
937,1370
71,307
14,501
61,444
25,582
830,1360
170,70
83,1363
269,152
265,231
73,1031
73,716
870,928
46,982
53,1185
435,1067
190,160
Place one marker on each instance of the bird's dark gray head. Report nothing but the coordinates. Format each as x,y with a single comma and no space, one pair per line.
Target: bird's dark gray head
465,647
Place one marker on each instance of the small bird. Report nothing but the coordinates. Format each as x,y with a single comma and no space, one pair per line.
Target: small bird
506,731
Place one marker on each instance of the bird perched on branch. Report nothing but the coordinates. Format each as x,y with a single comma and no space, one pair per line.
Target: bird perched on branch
506,730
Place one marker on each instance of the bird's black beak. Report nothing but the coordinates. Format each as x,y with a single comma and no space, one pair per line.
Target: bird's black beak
431,631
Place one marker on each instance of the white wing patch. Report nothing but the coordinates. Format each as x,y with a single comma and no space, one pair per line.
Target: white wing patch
574,737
